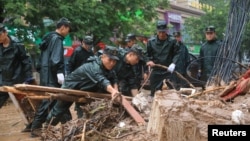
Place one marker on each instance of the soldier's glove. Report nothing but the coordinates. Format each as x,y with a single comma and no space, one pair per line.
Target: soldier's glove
60,78
171,67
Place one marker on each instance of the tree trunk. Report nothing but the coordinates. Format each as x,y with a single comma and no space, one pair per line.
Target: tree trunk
169,120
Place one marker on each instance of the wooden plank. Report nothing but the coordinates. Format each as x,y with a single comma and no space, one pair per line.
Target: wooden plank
132,112
15,91
64,91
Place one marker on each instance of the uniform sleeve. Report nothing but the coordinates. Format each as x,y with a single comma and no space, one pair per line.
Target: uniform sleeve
177,51
148,53
201,57
57,59
95,73
71,62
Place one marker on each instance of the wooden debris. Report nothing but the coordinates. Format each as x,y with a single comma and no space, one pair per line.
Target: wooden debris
34,91
19,108
206,91
87,94
132,112
178,74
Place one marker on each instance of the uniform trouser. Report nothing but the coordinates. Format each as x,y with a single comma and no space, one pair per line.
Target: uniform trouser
156,80
124,88
3,98
178,82
57,112
42,114
78,109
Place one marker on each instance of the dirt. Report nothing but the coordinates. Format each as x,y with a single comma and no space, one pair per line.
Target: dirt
11,125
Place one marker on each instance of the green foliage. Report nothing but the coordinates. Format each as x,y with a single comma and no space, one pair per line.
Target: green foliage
97,17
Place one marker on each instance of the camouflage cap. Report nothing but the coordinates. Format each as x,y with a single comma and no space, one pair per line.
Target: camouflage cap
88,40
177,33
138,51
112,52
130,37
63,21
210,29
161,25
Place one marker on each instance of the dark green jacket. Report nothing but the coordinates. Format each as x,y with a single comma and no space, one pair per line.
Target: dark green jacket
51,60
124,71
15,64
207,56
183,60
91,76
163,52
79,57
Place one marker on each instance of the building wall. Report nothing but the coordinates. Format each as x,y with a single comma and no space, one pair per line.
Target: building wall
180,10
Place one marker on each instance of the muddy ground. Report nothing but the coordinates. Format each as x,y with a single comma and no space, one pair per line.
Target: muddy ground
11,122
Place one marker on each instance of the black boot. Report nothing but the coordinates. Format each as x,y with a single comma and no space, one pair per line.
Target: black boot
27,128
36,132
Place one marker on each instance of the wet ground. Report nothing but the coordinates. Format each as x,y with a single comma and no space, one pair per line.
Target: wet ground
11,124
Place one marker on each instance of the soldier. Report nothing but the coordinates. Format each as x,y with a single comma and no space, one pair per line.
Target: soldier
141,69
80,54
162,50
51,71
130,40
182,63
96,75
79,57
125,71
208,53
15,64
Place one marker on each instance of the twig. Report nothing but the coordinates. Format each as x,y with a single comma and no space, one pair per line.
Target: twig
84,131
16,123
177,73
109,137
62,134
197,94
145,81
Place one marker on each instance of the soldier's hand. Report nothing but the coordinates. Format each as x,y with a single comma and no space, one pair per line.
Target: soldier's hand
150,63
171,67
60,78
116,97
